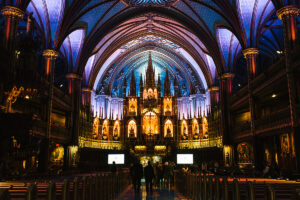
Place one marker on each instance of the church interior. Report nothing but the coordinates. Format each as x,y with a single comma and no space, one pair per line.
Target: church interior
84,83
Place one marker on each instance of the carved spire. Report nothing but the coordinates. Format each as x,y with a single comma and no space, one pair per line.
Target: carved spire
132,85
158,86
150,73
141,85
167,85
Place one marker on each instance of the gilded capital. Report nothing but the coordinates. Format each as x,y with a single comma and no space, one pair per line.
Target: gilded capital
213,89
10,11
250,52
73,76
288,10
227,76
49,53
87,90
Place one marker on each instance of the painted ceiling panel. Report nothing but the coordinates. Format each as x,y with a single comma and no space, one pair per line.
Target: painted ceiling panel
210,17
95,14
184,8
228,44
48,14
114,10
73,43
88,67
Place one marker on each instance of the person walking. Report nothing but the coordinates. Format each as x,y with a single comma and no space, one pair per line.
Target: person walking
133,176
149,175
139,175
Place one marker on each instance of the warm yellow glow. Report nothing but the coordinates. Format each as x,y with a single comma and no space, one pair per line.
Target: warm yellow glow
140,148
132,130
132,106
105,130
99,144
150,123
167,106
274,95
160,148
204,126
202,143
116,131
168,128
24,164
195,129
245,153
184,129
228,155
96,127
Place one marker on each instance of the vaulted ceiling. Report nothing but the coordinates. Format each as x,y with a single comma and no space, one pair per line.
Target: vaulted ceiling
196,40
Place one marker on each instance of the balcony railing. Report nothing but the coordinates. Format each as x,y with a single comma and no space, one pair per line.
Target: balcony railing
99,144
202,143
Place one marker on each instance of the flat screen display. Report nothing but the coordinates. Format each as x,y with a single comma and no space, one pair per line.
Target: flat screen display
185,158
118,158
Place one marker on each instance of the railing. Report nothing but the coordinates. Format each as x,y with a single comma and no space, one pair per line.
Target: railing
99,144
202,143
209,187
104,186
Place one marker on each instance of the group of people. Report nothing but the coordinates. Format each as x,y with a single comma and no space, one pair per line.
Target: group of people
155,176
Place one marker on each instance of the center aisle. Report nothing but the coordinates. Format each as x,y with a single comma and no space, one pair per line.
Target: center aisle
158,194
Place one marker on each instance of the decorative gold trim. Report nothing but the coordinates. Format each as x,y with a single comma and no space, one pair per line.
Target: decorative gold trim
250,51
49,53
213,89
86,90
10,11
73,76
227,75
288,10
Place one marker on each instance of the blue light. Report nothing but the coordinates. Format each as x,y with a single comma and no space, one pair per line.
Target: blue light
138,3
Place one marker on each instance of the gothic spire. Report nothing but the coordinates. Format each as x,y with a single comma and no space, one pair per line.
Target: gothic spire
150,73
167,85
132,85
158,86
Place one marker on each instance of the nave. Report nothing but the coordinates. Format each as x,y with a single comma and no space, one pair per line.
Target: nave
158,194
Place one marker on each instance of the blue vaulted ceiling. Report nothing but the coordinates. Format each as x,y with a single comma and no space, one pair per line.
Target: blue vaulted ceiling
83,30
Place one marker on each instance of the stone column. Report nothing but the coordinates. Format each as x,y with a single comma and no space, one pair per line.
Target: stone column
250,55
214,95
12,16
226,89
74,90
86,97
288,15
50,57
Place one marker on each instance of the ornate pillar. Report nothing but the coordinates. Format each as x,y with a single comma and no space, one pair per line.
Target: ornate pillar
74,90
12,16
250,55
214,95
86,96
50,57
226,89
288,15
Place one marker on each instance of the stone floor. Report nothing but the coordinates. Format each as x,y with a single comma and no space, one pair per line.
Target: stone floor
158,194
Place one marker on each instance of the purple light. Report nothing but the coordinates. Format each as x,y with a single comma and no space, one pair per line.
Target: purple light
88,68
229,45
72,44
252,13
48,14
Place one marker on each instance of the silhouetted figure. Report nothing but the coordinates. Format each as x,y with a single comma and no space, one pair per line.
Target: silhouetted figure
113,168
149,175
136,173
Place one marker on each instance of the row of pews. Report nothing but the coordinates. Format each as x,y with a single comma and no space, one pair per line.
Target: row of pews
104,186
198,186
